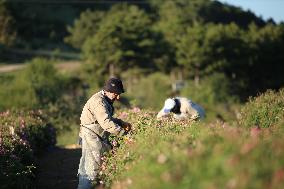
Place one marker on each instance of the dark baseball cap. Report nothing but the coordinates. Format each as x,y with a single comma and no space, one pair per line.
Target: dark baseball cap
114,85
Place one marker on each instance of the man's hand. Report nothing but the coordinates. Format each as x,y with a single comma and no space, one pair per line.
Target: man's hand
127,127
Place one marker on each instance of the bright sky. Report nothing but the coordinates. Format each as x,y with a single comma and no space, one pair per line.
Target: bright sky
265,8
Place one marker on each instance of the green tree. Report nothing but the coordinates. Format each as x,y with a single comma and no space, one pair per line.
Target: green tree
266,67
191,52
205,49
175,16
84,27
124,39
7,33
43,79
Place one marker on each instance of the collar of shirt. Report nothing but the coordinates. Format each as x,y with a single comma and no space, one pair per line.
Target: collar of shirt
107,99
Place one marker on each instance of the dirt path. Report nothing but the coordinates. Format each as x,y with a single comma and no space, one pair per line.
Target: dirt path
58,168
64,66
10,68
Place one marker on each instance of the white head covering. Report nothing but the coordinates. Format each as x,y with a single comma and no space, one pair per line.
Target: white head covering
169,104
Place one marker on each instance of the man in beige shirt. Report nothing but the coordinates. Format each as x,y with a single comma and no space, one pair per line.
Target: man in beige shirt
97,123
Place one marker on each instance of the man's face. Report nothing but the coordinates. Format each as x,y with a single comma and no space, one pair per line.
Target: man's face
112,96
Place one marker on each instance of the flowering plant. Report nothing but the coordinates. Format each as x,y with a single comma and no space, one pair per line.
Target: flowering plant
23,135
180,154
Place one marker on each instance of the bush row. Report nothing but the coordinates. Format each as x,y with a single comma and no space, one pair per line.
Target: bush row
24,135
263,111
170,154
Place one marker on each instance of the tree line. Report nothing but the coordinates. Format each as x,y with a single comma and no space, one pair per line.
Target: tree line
194,39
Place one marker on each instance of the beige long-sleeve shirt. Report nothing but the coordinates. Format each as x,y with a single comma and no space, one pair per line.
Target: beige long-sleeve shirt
97,115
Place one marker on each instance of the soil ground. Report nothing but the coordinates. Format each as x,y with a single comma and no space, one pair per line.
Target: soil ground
58,168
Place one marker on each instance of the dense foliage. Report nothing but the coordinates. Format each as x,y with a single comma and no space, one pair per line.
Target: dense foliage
23,135
123,40
7,34
33,87
170,154
149,92
185,36
214,94
199,38
263,111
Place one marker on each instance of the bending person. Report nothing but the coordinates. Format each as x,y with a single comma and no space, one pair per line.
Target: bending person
182,108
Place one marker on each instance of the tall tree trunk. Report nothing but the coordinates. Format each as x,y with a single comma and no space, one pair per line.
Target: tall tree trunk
111,70
196,78
180,75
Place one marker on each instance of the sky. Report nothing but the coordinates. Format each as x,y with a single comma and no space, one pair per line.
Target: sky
265,8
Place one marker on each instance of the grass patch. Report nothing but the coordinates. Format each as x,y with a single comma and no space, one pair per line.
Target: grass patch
68,137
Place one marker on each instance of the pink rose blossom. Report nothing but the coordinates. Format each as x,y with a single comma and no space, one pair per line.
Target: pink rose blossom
135,110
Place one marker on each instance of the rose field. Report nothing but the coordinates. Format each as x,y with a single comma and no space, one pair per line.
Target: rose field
247,153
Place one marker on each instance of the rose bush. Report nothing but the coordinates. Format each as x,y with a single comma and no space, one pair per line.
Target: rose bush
265,110
24,134
171,154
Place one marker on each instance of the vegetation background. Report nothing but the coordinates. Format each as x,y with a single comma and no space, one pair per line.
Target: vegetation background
218,55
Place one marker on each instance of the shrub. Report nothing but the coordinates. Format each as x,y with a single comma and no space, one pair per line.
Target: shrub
24,134
170,154
44,81
212,90
263,111
213,94
150,91
35,86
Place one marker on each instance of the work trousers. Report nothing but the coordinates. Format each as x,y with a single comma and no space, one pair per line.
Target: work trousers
93,148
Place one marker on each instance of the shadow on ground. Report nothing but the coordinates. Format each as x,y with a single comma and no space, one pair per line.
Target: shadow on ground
58,169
